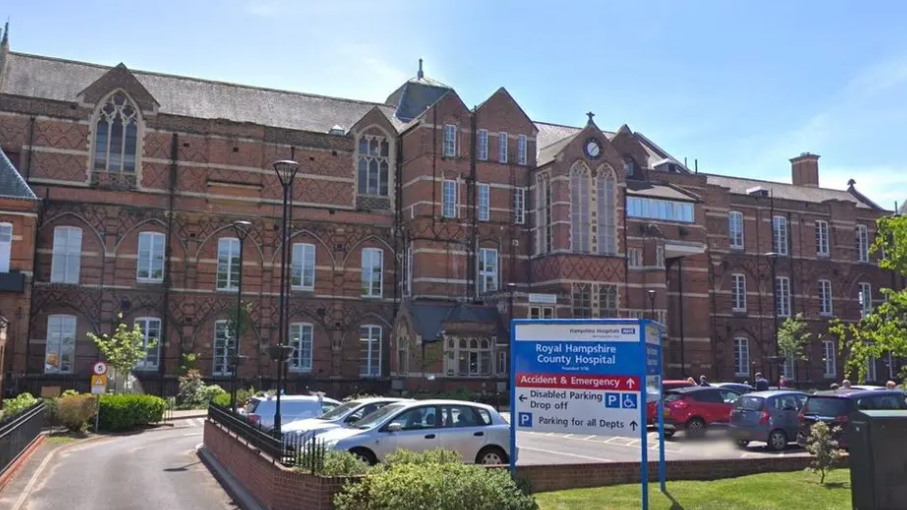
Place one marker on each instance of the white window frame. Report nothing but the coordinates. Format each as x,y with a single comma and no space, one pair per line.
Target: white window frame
735,230
449,198
221,362
61,329
782,302
741,357
300,362
738,292
826,300
634,258
865,298
823,245
502,147
659,256
303,259
370,364
484,200
488,276
6,246
862,241
147,258
231,282
521,150
780,235
66,261
152,358
381,169
104,156
368,272
787,368
482,145
829,357
519,205
450,140
472,348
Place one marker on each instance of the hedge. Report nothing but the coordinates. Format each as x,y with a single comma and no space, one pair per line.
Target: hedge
127,412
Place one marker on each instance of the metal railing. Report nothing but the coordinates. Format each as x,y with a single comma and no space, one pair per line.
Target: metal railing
288,449
17,433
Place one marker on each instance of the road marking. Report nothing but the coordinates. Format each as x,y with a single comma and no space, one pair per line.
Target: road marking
568,436
588,438
565,454
608,441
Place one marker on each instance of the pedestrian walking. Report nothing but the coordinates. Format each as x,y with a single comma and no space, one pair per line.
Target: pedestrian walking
761,382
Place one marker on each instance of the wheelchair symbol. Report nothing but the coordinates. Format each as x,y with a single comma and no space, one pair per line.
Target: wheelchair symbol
628,401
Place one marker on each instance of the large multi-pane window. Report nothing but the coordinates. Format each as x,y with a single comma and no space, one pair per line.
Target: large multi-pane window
150,265
228,263
372,272
301,338
60,347
6,244
543,216
449,199
782,296
541,312
829,359
488,270
484,202
741,357
787,368
779,235
582,301
607,224
450,140
116,136
735,229
519,205
580,222
862,242
468,357
738,292
224,347
594,300
502,147
483,145
370,351
634,257
67,255
374,165
865,298
521,149
822,244
658,209
303,270
825,299
151,338
607,301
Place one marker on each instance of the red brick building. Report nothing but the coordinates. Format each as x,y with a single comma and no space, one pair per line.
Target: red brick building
419,226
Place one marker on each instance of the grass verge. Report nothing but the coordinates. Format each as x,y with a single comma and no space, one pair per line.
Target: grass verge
772,491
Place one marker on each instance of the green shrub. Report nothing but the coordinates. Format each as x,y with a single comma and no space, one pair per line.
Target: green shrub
14,406
333,463
191,391
69,393
222,400
436,456
438,484
244,394
212,391
51,416
824,450
126,412
74,411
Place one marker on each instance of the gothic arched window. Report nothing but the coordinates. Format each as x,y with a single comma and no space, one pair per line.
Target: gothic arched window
116,135
607,226
374,165
580,224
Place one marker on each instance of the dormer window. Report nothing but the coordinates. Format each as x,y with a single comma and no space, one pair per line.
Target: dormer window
116,136
629,168
337,130
374,165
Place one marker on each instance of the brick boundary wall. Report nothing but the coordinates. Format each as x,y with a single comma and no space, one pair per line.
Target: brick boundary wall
279,488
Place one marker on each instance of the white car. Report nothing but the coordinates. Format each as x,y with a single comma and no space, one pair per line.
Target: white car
341,416
476,431
292,408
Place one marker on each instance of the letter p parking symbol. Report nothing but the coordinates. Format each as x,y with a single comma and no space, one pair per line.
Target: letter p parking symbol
525,420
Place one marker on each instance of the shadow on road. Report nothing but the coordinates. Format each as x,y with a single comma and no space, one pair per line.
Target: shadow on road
182,468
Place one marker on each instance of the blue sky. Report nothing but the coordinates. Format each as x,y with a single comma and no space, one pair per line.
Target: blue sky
742,86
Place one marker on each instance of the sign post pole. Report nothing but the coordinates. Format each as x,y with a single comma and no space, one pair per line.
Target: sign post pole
643,418
98,387
662,468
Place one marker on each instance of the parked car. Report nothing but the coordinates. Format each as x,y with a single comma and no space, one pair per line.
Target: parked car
738,387
767,416
340,416
652,397
834,408
868,387
260,409
696,408
474,430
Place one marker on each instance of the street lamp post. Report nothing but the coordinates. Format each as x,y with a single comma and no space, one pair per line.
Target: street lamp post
242,229
286,172
235,361
773,259
651,294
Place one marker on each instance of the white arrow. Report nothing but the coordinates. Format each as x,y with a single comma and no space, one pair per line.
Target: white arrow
631,383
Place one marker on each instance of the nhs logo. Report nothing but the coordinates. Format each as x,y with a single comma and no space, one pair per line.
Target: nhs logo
627,331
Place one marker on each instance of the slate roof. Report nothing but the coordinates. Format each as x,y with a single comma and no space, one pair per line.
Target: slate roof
428,317
415,96
62,80
663,191
551,138
784,191
12,185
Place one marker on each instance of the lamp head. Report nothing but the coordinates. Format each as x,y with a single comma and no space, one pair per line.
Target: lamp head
286,170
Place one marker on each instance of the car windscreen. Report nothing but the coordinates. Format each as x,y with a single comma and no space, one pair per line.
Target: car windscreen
378,416
750,403
827,406
253,405
673,397
340,411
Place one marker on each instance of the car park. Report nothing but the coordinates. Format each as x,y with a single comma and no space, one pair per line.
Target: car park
261,409
696,408
476,431
767,416
341,416
834,408
652,397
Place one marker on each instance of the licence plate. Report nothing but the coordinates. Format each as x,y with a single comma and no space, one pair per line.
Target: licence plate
667,411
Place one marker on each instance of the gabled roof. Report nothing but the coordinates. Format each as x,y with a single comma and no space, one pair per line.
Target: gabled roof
428,317
12,185
62,80
415,96
784,191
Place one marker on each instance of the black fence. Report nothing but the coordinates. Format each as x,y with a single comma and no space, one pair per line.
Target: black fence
288,449
17,433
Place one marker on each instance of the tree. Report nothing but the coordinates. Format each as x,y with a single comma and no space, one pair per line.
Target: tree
824,450
793,338
123,349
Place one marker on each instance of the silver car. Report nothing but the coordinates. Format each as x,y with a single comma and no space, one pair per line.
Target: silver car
292,408
341,416
476,431
767,416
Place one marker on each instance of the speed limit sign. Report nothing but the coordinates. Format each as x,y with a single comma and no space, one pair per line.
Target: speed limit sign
99,368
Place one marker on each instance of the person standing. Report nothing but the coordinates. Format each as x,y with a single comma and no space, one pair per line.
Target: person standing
761,382
845,384
891,385
782,383
703,381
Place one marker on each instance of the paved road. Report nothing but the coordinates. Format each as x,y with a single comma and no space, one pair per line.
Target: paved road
147,471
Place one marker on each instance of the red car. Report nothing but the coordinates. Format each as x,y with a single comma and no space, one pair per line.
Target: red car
696,408
652,404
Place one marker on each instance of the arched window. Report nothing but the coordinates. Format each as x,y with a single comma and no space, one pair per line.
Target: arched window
116,136
607,226
579,208
374,165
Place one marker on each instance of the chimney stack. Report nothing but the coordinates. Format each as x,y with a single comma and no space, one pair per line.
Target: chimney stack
805,170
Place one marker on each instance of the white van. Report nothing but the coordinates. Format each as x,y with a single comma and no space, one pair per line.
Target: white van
292,408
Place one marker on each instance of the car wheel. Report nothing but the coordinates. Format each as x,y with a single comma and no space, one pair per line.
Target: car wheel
365,456
777,440
492,455
695,427
669,433
742,443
